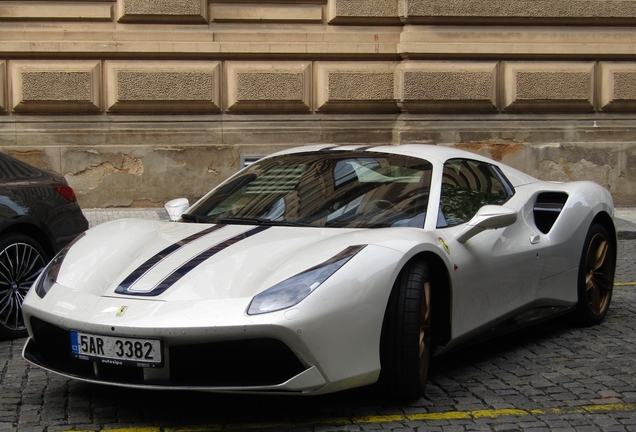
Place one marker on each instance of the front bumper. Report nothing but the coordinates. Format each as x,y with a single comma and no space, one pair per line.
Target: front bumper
250,365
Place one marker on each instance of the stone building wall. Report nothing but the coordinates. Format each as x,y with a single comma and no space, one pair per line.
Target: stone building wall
140,101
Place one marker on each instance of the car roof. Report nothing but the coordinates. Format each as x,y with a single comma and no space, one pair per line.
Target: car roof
427,151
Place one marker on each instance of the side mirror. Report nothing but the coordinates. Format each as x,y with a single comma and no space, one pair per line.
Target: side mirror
176,208
487,217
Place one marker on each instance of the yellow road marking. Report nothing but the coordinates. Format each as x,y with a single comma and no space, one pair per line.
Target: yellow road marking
378,419
586,409
498,413
624,283
392,418
450,415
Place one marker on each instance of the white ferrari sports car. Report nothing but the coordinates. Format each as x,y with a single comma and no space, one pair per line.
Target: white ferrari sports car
324,268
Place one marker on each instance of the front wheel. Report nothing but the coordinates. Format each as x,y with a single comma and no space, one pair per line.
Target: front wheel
406,334
596,276
21,261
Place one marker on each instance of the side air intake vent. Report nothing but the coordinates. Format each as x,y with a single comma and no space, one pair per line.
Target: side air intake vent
547,209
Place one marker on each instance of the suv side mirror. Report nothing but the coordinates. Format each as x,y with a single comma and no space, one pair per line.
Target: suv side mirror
176,208
487,217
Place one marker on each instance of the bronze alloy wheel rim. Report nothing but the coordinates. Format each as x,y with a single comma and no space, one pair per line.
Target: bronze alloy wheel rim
425,330
598,274
20,265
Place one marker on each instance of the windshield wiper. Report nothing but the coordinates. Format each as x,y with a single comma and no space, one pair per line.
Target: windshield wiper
240,221
193,218
286,223
256,221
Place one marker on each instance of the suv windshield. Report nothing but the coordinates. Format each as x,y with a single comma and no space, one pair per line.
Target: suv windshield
323,189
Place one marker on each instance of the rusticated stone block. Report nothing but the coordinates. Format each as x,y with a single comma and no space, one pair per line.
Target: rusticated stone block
171,11
262,87
363,11
267,13
617,86
50,12
355,87
55,87
3,85
541,87
162,87
349,86
448,87
520,12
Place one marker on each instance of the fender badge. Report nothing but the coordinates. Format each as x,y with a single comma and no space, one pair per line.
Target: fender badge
446,248
122,310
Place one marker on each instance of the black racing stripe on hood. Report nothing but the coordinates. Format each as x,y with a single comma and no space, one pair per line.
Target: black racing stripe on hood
153,261
196,261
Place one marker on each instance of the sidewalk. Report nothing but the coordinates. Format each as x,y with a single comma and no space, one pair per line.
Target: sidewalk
625,217
626,223
100,215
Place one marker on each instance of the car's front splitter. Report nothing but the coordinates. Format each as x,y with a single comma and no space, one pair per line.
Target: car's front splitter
308,381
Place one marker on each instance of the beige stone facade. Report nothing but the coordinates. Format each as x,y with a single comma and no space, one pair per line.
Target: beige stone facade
140,101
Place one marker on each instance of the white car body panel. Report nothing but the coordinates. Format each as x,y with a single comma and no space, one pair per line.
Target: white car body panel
335,331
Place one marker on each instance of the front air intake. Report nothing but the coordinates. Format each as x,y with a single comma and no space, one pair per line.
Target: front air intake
240,363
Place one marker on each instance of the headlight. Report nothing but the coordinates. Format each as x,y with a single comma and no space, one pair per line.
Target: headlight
49,275
293,290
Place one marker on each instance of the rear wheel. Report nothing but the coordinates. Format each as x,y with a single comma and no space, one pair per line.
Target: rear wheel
596,276
406,334
21,261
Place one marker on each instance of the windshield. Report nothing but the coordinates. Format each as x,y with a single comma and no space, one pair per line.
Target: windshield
323,189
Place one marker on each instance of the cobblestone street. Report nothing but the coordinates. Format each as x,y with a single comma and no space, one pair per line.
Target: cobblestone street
551,377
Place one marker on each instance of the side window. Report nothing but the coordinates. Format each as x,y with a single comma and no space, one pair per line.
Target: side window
468,185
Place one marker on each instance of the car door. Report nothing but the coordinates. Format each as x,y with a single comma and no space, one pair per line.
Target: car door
496,272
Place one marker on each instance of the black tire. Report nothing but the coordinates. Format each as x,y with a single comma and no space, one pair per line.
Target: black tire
596,276
406,335
21,261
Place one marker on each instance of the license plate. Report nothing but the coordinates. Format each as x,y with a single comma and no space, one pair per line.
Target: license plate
116,350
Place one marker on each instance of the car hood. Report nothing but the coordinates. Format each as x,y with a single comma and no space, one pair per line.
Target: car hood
165,261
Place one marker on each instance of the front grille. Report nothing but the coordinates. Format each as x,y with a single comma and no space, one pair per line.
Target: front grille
252,362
